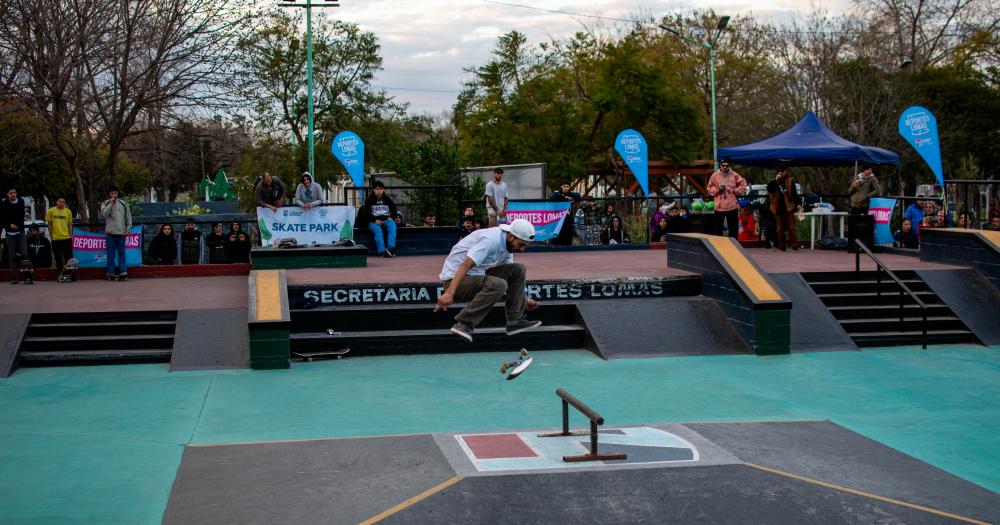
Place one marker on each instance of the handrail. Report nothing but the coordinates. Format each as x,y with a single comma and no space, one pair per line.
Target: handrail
595,420
879,267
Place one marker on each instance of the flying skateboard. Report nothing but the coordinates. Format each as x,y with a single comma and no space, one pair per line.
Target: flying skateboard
517,366
326,354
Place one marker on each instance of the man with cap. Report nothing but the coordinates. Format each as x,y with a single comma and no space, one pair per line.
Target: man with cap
480,270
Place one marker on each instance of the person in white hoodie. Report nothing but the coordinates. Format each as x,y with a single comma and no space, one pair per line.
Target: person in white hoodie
117,223
307,193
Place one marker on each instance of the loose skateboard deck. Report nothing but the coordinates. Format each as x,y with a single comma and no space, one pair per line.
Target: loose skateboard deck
516,367
309,356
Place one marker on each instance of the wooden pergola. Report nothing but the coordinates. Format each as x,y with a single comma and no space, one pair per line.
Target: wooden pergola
619,178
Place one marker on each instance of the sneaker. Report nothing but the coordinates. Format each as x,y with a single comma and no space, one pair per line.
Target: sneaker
520,325
389,251
385,254
14,281
123,277
112,277
462,330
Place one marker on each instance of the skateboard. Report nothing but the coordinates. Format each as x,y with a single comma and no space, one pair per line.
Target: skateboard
517,366
309,356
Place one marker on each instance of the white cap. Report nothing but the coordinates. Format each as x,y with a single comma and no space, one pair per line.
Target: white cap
521,229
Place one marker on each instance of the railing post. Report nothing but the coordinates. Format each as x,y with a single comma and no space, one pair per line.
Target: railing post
878,281
593,437
565,407
925,330
857,259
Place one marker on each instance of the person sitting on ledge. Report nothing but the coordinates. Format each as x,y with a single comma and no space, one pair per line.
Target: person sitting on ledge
430,219
614,234
377,213
308,194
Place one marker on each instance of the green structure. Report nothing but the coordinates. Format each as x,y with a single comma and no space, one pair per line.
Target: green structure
218,189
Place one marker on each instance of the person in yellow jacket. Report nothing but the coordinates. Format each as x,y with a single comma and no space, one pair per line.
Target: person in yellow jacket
60,221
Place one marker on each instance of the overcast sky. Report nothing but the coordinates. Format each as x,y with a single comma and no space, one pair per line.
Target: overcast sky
427,44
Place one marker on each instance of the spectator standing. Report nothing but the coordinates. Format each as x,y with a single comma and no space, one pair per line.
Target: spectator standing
748,225
215,245
496,198
117,224
163,247
239,247
400,221
607,214
39,248
468,226
726,186
308,194
60,221
943,220
915,211
784,202
377,212
430,219
467,212
190,243
907,236
563,194
678,221
270,192
12,215
864,187
994,224
614,233
231,246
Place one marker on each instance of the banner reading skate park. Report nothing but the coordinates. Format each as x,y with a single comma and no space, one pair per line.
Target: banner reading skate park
89,248
881,208
320,225
546,217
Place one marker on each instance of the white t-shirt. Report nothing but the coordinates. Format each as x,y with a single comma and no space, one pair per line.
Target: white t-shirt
486,247
498,192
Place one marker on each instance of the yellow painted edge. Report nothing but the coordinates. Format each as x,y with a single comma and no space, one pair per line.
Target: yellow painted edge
415,499
745,270
992,237
866,494
268,296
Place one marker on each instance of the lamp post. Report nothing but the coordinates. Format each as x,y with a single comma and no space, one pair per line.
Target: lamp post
710,46
308,5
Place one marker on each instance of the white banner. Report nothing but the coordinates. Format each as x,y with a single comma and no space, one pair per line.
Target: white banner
320,225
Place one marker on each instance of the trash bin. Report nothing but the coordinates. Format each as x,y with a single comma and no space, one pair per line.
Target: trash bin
860,227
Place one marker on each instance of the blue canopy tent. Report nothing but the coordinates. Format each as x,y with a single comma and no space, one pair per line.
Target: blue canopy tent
808,143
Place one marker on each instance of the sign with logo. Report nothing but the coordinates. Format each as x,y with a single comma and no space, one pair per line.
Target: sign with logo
881,208
546,217
318,225
350,151
89,248
422,293
919,127
631,145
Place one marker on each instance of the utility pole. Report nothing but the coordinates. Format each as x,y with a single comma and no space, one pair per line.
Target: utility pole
710,46
308,5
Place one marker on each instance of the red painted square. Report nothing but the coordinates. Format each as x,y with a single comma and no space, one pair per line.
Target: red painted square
497,446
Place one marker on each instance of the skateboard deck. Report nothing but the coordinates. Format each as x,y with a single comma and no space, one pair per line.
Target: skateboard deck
516,367
309,356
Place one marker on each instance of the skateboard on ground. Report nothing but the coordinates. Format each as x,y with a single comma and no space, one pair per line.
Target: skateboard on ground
518,365
326,354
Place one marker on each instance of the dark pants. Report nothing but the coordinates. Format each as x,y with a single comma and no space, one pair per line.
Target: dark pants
859,211
732,217
787,237
481,292
62,251
16,244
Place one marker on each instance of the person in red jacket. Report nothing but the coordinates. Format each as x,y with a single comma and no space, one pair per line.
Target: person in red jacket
727,186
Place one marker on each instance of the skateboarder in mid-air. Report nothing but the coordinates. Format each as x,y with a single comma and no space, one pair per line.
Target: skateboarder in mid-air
480,270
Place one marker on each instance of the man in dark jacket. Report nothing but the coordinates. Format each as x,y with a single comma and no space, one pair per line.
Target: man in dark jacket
12,221
190,243
377,213
563,194
215,244
39,249
270,192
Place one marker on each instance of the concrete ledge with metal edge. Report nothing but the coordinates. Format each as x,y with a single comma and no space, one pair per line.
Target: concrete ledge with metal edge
758,309
268,258
595,421
963,247
268,319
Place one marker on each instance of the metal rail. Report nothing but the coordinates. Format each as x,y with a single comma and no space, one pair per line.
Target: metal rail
595,420
903,289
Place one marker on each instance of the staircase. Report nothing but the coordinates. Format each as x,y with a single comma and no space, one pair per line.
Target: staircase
416,329
98,338
874,320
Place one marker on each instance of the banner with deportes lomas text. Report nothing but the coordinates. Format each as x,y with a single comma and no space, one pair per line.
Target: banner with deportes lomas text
546,217
319,225
89,248
881,208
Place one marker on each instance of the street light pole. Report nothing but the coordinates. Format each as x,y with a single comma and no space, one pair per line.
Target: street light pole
710,46
308,5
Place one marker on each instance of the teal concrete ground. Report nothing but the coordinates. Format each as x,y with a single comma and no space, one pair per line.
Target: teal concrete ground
102,444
